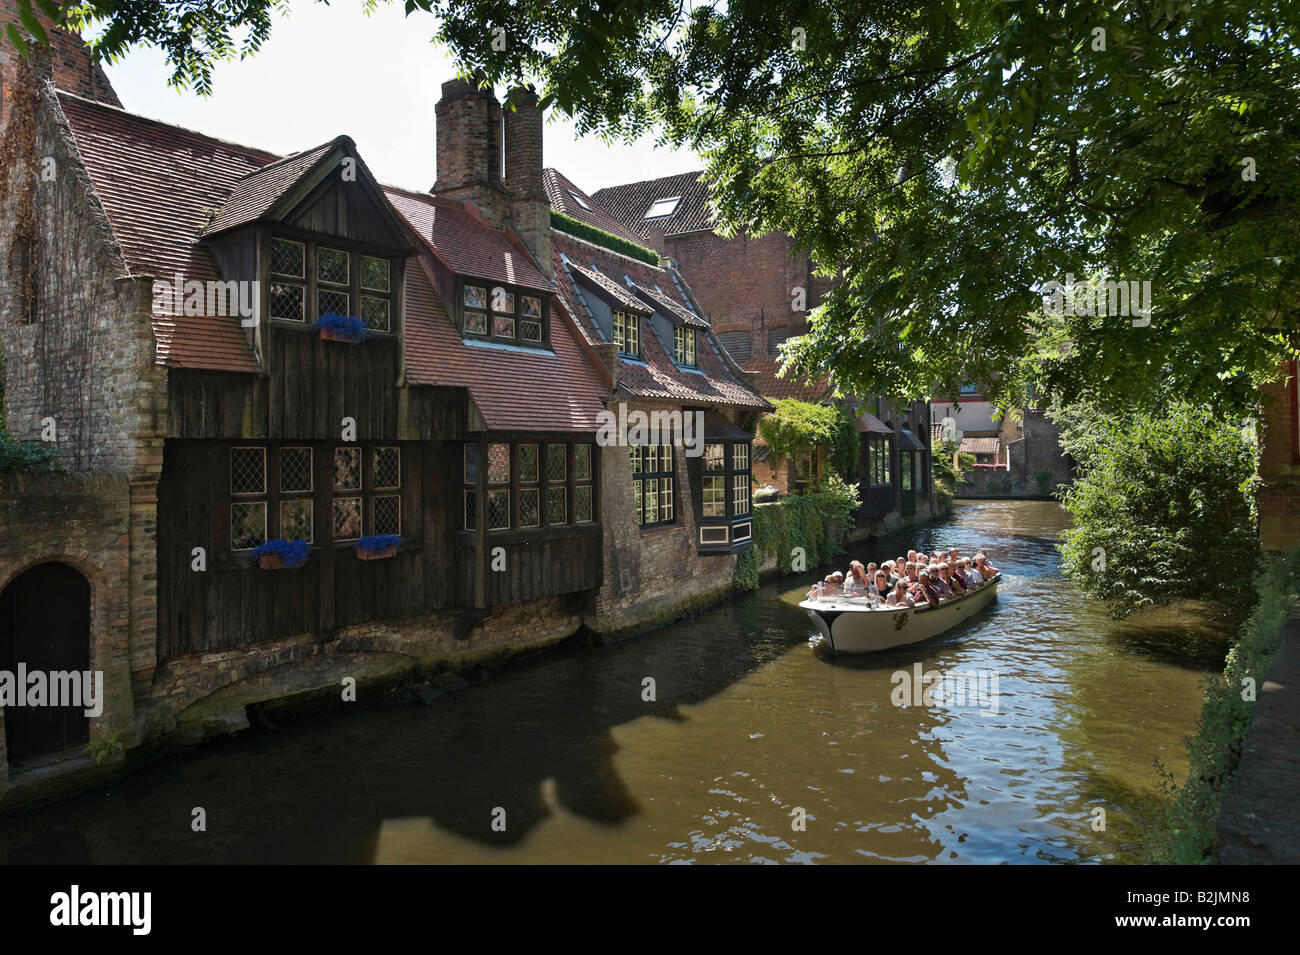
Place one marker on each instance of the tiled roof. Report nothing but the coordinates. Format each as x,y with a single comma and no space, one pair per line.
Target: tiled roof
979,445
936,434
621,296
677,313
657,376
791,386
258,191
568,393
567,198
159,185
870,424
629,204
465,243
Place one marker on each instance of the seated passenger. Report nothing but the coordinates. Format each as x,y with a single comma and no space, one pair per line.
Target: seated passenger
882,585
938,583
968,571
832,586
954,581
987,570
857,584
898,596
894,576
924,590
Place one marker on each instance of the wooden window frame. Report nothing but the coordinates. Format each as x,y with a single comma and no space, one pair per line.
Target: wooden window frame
312,285
685,346
641,476
627,325
491,314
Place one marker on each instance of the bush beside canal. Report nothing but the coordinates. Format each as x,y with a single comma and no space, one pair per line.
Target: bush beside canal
816,522
1185,833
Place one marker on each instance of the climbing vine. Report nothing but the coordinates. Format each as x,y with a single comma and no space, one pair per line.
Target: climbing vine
815,522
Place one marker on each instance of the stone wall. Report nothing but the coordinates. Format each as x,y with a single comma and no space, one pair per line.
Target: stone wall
653,575
81,520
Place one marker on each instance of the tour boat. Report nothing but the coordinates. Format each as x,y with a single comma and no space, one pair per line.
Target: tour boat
851,625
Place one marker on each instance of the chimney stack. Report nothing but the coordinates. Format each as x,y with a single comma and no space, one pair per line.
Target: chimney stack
469,149
530,209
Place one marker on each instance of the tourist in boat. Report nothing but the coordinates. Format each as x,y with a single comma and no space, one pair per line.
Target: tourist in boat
954,581
900,566
938,583
832,586
898,596
953,556
969,573
883,586
987,570
910,573
911,557
924,590
857,584
890,573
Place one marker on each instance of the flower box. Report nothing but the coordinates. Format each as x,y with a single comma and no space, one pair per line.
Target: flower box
281,554
341,328
378,547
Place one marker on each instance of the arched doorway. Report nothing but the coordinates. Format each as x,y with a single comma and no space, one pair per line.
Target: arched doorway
45,625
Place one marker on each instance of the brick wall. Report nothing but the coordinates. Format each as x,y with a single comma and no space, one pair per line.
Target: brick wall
468,145
1279,490
67,61
654,575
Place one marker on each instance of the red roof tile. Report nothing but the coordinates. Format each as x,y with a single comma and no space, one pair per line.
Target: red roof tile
567,389
567,198
256,192
791,386
465,243
657,376
158,185
629,203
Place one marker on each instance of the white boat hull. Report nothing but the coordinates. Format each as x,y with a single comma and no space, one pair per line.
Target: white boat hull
849,626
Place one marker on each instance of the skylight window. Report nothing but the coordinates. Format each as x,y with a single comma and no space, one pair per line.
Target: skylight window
663,207
579,200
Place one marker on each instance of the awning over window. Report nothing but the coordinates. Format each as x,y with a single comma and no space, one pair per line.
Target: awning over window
870,424
979,445
718,428
907,441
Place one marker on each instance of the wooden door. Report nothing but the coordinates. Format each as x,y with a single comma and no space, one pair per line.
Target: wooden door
45,625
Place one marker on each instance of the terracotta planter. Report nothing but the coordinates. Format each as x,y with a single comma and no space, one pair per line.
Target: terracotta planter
271,562
328,336
387,552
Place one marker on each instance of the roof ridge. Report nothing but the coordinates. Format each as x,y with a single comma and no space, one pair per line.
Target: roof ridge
109,107
646,182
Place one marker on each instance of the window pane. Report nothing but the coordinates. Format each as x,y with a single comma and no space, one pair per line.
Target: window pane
740,494
740,457
247,524
530,307
715,497
471,510
532,331
374,273
665,499
498,464
388,467
557,505
666,457
651,500
347,518
556,462
503,301
690,346
287,258
332,303
582,462
634,452
386,514
475,297
582,503
715,457
296,519
530,514
332,266
347,469
286,302
528,463
247,471
476,322
374,312
498,508
503,327
651,458
295,469
471,464
637,497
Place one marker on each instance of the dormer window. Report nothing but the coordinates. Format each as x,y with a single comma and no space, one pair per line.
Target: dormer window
503,314
310,279
627,329
663,207
684,346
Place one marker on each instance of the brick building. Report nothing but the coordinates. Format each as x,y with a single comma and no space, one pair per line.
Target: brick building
169,317
1279,463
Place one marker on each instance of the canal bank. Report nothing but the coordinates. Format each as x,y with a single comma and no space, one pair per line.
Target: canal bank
741,726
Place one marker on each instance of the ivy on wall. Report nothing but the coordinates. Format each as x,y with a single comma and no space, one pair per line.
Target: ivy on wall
815,522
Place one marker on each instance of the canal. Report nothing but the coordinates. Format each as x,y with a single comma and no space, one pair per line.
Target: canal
749,731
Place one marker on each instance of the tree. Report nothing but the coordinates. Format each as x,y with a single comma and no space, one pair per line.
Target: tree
1163,509
800,426
949,161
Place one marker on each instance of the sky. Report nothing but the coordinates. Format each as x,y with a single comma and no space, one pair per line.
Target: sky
330,70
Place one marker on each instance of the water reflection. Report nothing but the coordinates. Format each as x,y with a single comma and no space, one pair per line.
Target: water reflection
749,730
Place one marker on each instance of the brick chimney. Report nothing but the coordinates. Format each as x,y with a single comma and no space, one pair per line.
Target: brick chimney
469,149
67,61
530,209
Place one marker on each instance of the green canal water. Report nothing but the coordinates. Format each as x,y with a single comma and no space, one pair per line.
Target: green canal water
749,731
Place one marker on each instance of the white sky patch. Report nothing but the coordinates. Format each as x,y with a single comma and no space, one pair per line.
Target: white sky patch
328,70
